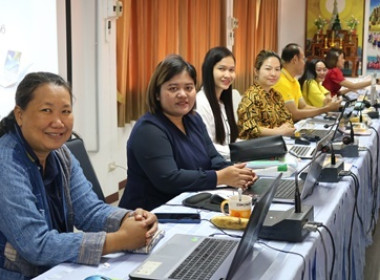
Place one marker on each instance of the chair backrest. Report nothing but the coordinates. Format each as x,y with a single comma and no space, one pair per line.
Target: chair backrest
76,146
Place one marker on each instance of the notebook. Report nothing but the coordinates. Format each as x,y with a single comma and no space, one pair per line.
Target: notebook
168,262
286,188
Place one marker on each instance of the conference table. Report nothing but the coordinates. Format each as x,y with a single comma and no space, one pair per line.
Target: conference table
334,207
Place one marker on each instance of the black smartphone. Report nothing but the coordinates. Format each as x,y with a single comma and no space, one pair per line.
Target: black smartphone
178,217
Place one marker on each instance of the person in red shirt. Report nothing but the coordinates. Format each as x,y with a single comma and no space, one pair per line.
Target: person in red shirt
334,79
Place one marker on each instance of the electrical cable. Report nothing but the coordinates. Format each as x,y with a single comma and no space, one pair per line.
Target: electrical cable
325,252
286,252
313,226
355,210
373,189
334,252
374,202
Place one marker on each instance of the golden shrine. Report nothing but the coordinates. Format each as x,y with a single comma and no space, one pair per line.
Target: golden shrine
343,39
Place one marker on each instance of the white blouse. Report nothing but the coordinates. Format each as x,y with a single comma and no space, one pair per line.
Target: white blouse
203,108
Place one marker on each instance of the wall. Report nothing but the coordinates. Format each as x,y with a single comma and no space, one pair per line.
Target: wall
112,140
291,23
94,79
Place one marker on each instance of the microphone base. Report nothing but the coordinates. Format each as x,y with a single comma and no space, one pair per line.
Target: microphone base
373,114
349,150
287,225
330,172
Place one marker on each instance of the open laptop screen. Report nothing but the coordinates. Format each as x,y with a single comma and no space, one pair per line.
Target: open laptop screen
251,233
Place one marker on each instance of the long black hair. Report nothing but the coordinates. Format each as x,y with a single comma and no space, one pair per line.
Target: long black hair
212,57
309,74
25,94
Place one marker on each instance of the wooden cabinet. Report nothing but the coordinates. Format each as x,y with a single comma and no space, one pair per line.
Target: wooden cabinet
343,39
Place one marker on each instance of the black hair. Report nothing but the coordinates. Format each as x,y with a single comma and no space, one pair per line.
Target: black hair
264,55
332,57
25,93
213,56
309,74
172,65
290,51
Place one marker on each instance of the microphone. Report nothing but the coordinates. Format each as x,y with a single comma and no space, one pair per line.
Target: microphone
333,158
348,147
289,225
349,139
330,171
361,105
297,197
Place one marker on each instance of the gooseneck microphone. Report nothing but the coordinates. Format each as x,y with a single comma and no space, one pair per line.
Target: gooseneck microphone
333,158
297,196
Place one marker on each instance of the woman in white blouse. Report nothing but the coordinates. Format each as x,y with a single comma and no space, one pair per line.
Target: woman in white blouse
214,100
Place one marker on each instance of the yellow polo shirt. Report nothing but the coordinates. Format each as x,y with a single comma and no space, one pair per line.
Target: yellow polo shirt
289,87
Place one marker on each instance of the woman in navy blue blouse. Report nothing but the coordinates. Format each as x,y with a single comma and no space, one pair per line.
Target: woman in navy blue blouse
169,150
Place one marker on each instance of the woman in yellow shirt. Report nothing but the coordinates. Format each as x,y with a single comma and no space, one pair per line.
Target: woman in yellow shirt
314,93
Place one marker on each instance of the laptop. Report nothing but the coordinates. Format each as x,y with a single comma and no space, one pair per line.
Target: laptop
169,262
307,151
313,134
286,188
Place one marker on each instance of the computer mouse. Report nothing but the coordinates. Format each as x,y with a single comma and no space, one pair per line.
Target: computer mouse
301,141
198,198
312,138
97,277
216,199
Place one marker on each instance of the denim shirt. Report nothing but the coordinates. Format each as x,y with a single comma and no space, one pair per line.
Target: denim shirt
28,243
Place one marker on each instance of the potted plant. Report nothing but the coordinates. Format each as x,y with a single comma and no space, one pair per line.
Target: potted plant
352,24
320,23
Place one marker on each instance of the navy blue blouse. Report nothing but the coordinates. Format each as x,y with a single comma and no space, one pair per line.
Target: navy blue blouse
164,162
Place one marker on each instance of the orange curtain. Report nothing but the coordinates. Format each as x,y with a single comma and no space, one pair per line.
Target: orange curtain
257,30
149,30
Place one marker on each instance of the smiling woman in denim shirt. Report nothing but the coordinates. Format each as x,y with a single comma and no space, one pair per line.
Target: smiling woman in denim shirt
44,194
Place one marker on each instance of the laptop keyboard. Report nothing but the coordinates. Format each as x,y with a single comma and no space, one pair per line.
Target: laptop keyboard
314,132
204,260
300,151
286,189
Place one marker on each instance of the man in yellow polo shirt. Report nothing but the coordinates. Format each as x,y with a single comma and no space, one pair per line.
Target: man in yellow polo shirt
293,59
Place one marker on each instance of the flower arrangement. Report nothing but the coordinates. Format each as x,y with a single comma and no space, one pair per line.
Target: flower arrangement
320,22
352,23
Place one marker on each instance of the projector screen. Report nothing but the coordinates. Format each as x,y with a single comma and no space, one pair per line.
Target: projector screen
28,42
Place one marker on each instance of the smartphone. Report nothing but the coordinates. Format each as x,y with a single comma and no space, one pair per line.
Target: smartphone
178,217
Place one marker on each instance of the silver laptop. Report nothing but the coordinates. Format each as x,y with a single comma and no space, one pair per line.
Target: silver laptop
287,186
308,152
190,257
